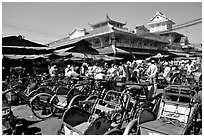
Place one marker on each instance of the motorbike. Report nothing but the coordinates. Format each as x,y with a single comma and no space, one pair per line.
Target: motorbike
10,123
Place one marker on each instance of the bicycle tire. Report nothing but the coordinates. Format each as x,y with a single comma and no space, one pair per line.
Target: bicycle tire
41,107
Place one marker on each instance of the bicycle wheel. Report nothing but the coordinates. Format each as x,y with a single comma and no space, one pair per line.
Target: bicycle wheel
41,107
75,101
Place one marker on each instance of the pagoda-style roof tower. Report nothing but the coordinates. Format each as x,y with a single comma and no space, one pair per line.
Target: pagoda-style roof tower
160,23
106,22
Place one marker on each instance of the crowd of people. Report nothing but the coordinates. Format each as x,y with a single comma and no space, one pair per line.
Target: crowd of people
128,71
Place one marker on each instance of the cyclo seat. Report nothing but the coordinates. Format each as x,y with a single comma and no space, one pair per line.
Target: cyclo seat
120,84
135,88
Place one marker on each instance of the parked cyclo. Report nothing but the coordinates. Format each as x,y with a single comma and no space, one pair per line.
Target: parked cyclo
66,95
176,111
107,115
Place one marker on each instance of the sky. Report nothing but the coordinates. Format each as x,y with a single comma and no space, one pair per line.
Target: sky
44,22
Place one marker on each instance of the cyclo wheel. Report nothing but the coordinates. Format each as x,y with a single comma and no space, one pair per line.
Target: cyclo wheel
75,101
131,128
114,132
40,105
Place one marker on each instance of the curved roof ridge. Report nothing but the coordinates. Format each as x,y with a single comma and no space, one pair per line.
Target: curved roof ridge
108,19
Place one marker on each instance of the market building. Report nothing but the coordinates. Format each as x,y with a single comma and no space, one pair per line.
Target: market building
140,42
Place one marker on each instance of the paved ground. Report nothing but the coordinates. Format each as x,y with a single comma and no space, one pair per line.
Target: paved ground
36,126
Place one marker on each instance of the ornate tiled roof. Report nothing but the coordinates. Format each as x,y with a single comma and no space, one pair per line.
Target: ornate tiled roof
107,20
157,15
92,33
100,30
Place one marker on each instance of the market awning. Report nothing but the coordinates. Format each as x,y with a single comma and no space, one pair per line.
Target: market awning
16,57
140,53
60,51
180,54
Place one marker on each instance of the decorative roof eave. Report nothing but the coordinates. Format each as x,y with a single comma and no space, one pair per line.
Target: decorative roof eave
144,36
76,29
142,26
72,41
169,32
107,21
160,21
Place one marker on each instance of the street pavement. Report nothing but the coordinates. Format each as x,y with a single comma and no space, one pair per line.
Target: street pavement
37,126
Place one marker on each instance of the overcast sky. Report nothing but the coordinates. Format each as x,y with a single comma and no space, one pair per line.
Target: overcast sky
44,22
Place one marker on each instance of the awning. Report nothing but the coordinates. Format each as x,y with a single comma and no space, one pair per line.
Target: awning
141,53
16,57
180,54
63,50
106,57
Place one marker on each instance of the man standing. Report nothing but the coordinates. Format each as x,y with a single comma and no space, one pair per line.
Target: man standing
53,71
167,71
152,73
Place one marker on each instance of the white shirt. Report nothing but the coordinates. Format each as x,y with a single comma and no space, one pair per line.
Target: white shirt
152,71
166,71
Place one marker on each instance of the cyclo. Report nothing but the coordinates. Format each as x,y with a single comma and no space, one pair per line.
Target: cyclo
176,111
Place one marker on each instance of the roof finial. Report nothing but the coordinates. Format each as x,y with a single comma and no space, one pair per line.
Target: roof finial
107,17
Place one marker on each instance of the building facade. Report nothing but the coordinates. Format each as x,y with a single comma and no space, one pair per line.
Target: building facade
141,42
